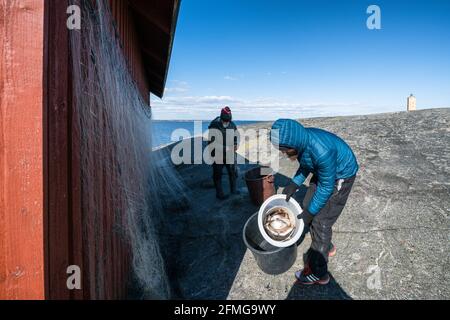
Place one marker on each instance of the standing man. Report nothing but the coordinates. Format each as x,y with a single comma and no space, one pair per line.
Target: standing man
224,128
334,167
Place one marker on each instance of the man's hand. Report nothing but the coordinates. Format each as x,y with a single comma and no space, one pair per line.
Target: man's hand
306,216
289,190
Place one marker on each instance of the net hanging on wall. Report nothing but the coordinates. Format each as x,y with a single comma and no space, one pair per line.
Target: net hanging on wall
119,172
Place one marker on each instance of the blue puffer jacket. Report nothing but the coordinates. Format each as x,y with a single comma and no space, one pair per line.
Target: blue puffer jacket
324,154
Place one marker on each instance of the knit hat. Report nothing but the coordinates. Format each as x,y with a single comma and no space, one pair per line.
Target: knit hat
225,114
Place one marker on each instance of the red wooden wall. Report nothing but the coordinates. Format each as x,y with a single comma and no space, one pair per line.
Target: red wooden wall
73,237
21,150
42,199
64,241
130,43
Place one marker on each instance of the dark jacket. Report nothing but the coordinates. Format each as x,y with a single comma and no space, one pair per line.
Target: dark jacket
322,153
217,124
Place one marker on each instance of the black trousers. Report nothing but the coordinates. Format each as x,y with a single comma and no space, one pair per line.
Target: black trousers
321,227
217,177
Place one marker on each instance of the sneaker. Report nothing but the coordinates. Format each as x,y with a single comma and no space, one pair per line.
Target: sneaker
306,277
332,251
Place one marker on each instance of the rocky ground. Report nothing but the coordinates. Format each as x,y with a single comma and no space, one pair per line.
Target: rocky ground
392,238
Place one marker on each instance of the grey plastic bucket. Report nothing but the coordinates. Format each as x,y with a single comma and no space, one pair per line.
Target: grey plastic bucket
270,259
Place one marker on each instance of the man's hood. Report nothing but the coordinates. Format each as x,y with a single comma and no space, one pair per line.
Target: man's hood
289,133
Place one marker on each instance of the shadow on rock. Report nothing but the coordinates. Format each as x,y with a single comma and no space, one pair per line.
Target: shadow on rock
205,248
331,291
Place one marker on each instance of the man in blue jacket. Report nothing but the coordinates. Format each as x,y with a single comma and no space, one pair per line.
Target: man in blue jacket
334,167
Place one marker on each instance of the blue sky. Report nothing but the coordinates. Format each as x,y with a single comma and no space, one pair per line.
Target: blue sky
269,58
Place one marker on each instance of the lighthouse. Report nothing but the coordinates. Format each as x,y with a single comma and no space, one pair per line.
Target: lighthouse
411,103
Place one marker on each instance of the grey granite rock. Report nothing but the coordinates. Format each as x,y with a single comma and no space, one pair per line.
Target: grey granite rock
392,238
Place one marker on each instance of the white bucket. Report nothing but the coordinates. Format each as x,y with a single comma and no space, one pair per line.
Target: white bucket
279,201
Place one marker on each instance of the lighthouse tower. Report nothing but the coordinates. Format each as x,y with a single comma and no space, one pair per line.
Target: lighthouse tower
411,103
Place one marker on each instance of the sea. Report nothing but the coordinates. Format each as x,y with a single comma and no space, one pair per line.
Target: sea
164,130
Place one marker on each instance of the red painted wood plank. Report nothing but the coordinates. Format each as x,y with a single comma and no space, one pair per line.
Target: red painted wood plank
58,108
75,206
21,150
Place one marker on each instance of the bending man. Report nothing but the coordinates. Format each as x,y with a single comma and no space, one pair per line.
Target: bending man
334,167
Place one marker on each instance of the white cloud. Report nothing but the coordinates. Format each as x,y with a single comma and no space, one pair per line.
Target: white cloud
230,78
178,87
196,100
176,90
180,83
208,107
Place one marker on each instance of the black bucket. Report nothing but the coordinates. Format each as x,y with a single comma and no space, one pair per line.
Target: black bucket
270,259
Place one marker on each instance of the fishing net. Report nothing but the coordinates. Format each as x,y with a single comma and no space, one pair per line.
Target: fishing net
120,174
